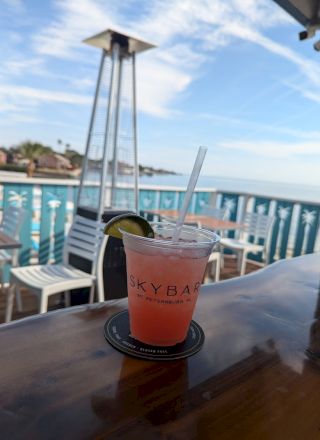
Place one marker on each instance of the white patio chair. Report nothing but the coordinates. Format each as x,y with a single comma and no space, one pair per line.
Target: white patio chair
168,219
10,225
255,225
210,211
215,259
214,262
86,240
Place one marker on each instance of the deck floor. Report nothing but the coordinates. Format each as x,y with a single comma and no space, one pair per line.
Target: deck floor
30,305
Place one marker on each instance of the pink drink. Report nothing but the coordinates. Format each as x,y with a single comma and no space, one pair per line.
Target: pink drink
164,281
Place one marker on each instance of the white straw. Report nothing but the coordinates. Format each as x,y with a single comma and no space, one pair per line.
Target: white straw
190,188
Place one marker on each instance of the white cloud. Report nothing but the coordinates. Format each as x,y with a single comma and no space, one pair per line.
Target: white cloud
7,106
159,81
307,92
40,95
268,169
246,124
169,157
16,118
221,163
16,66
21,66
187,32
308,68
166,72
273,149
217,23
75,21
11,103
154,95
218,118
181,55
82,83
172,18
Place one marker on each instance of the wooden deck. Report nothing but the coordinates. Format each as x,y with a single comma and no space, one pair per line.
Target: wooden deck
30,305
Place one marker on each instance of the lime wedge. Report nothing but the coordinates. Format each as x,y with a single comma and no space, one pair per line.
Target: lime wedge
134,224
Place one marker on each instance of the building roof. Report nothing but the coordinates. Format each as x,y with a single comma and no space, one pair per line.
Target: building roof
58,157
62,159
306,12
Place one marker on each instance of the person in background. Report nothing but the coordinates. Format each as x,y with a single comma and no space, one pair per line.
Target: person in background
31,168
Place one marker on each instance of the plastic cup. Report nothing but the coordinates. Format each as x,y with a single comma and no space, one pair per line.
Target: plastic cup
164,280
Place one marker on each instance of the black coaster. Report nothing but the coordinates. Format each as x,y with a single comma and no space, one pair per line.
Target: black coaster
117,333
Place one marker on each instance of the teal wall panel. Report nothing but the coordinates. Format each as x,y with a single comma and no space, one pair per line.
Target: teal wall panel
59,227
74,198
30,198
230,202
261,206
147,199
168,200
89,197
53,219
20,195
123,199
281,228
181,199
202,200
308,225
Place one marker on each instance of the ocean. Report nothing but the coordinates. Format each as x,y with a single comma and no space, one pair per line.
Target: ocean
299,192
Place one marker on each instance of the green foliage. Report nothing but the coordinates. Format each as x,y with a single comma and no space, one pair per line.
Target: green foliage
11,167
32,150
74,157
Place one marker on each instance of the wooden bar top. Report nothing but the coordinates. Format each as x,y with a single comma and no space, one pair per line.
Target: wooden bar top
7,242
206,221
256,377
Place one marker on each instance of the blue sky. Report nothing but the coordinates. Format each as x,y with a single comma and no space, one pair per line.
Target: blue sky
232,76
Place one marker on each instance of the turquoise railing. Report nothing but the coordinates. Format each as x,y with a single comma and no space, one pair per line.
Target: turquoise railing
49,205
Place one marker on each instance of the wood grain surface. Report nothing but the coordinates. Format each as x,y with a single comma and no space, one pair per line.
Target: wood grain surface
206,221
7,242
256,377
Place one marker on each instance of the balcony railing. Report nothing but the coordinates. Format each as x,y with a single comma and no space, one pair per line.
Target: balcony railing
49,204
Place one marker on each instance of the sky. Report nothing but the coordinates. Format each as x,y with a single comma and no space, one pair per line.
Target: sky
232,76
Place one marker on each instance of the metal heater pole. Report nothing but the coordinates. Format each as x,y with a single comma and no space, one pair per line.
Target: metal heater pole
115,57
134,126
116,135
92,118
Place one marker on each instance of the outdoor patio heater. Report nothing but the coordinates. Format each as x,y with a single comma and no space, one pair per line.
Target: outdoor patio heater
109,178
